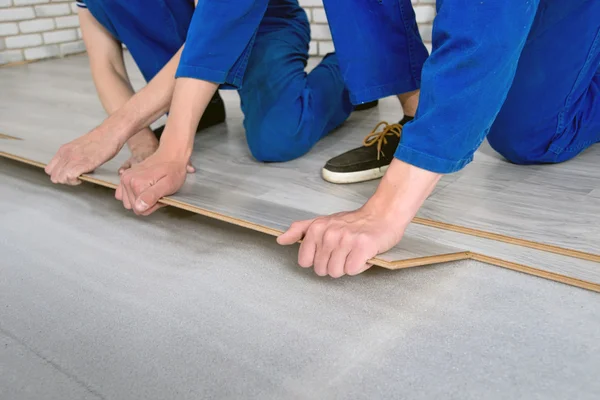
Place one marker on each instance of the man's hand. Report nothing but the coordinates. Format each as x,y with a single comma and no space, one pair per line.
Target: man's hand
82,155
142,146
341,244
144,184
164,172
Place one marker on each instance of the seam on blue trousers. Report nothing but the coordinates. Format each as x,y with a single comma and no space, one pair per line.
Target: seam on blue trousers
190,71
414,68
429,162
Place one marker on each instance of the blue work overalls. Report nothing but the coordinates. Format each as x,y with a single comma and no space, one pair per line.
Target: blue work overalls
524,73
258,47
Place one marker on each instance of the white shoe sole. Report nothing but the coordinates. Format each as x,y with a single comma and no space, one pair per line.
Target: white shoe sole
353,177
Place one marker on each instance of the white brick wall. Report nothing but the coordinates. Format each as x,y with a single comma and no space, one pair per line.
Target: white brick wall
35,29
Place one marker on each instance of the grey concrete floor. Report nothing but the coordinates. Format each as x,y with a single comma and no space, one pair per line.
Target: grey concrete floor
96,303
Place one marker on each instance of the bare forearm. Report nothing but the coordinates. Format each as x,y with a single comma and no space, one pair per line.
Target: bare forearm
190,99
114,90
148,104
113,87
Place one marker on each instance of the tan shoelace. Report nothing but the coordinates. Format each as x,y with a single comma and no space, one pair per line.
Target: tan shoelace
381,137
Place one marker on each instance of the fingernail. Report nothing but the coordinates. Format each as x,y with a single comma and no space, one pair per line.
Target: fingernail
141,205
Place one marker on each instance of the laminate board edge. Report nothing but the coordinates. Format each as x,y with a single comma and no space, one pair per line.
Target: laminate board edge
420,261
535,272
3,136
508,239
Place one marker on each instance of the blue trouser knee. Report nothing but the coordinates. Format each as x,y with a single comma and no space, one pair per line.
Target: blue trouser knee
552,111
286,110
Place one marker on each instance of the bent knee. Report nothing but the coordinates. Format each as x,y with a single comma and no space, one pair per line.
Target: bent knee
278,143
520,146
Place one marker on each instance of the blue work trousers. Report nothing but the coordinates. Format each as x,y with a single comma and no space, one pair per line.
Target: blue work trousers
258,47
524,73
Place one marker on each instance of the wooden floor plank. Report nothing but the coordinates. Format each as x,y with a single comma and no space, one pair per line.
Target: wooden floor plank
493,198
489,198
225,205
421,245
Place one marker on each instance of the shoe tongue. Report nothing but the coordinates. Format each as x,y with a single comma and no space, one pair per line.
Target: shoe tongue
406,119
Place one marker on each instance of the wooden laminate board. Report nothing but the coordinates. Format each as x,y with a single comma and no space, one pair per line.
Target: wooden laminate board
555,205
246,203
228,204
566,269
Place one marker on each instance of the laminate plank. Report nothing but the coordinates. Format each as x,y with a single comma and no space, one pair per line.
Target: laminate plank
262,197
550,204
574,271
595,193
230,203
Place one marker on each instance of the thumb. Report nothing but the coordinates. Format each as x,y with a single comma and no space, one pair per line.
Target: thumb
150,196
295,232
190,168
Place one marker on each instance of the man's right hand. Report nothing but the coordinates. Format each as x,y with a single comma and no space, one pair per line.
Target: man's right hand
81,156
142,146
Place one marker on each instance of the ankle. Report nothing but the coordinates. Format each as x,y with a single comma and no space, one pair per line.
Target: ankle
409,102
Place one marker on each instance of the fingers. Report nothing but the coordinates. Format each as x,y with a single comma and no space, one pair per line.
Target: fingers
67,165
294,233
146,202
126,165
68,173
331,246
326,242
73,181
152,209
122,196
133,186
356,262
52,164
190,168
64,171
337,262
128,195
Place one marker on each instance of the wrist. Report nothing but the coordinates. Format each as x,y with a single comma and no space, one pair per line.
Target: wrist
120,126
176,146
402,191
143,138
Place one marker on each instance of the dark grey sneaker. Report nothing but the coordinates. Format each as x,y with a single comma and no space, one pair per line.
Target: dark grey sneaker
371,160
214,114
366,106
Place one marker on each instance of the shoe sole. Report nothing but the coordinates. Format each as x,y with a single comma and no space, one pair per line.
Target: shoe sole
353,177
